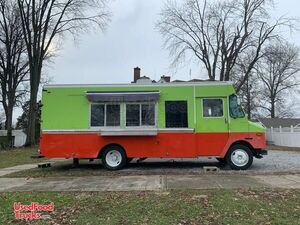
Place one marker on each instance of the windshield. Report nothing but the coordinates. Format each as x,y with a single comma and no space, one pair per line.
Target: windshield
235,109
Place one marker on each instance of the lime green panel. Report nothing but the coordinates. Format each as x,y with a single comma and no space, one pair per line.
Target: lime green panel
255,127
238,124
64,111
68,107
214,91
212,124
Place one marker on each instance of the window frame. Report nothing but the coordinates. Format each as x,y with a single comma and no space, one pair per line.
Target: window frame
90,115
123,115
105,104
213,117
140,122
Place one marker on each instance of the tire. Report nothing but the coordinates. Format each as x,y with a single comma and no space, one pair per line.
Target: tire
114,157
239,157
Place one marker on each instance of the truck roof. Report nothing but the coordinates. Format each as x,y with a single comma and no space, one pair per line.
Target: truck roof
204,83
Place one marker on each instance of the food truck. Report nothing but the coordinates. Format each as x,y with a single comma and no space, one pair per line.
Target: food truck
119,122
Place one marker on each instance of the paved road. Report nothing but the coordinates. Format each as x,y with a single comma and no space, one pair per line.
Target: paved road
148,183
13,169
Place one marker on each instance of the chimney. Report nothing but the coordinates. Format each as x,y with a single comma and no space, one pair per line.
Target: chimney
166,78
136,74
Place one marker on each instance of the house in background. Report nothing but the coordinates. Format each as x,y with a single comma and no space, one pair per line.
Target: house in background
282,131
138,79
280,122
19,137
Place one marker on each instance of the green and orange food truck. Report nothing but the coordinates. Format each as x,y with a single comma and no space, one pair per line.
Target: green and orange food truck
119,122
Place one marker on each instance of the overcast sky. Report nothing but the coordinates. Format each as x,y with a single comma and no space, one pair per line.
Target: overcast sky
130,40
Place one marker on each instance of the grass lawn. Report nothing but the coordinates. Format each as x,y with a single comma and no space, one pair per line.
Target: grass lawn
16,157
176,207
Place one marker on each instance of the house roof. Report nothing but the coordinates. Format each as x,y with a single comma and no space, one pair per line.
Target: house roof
277,122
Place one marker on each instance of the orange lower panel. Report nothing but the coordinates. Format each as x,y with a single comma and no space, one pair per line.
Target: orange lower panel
177,145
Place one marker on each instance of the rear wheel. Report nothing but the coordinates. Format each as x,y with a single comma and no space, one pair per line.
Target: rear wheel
239,157
113,158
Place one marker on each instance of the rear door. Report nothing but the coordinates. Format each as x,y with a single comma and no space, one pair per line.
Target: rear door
211,125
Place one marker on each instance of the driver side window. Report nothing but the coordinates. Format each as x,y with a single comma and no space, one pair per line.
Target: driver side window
213,108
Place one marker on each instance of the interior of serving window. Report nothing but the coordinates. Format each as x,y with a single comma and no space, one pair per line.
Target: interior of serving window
124,115
140,114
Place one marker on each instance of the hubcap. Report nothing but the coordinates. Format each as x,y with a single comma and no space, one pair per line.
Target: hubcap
113,158
239,157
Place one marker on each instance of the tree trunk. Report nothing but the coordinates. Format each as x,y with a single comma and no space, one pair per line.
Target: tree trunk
31,140
249,109
272,109
248,100
8,123
34,87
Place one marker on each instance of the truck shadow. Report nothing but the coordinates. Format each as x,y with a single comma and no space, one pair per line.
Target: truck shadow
148,166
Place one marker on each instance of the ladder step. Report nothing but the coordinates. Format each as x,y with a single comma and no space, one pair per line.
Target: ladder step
44,165
211,169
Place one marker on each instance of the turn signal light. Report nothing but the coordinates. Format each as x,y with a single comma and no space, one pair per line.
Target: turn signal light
259,134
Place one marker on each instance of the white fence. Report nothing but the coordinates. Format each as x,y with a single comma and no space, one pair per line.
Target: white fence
284,136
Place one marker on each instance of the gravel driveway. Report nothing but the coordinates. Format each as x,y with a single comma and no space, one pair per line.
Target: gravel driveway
278,161
274,162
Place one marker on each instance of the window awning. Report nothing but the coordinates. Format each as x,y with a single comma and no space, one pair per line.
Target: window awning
144,96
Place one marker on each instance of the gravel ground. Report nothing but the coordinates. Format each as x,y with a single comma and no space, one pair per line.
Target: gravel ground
275,162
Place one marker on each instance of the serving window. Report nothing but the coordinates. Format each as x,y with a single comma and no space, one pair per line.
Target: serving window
123,115
140,114
97,115
105,115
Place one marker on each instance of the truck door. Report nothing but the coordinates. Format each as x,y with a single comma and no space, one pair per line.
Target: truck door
211,125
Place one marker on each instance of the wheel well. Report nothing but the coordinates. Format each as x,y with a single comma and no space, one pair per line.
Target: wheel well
108,145
245,143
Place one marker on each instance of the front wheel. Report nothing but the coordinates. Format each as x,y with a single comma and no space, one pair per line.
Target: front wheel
239,157
113,158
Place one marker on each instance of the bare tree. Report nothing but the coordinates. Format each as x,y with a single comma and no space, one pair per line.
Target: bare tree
249,93
278,71
43,23
218,34
13,61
